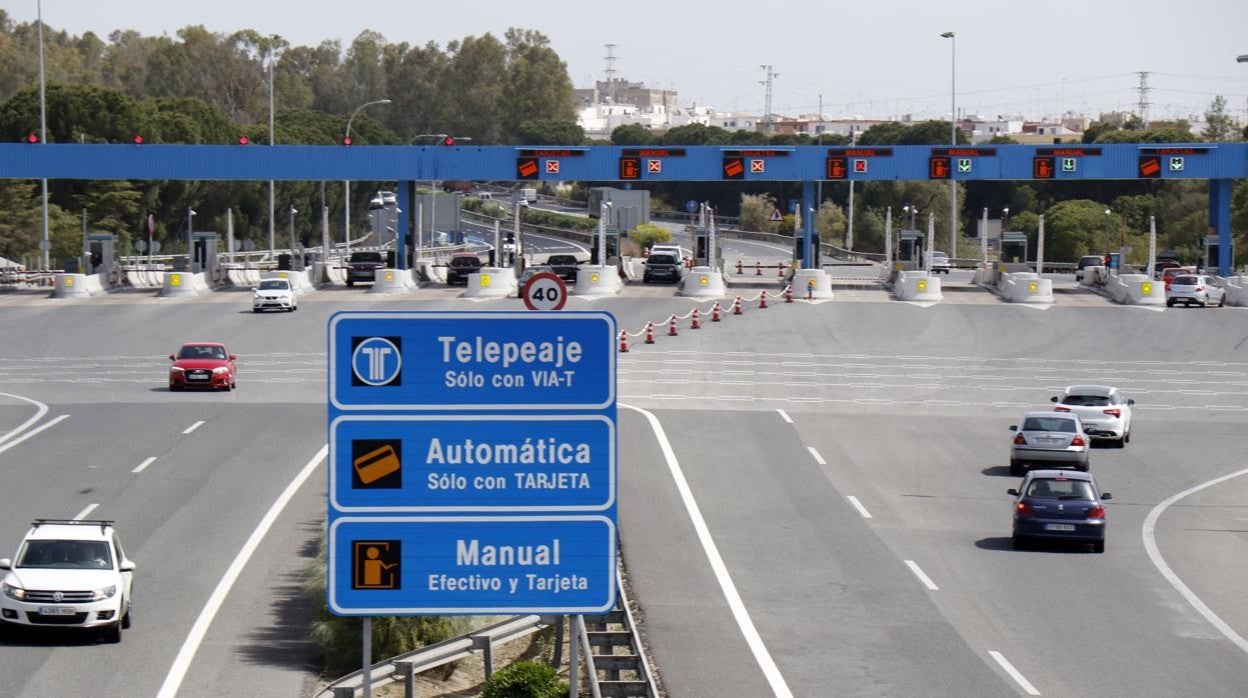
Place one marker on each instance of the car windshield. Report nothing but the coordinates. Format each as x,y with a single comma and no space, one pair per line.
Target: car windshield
662,259
1086,400
465,262
1185,281
366,257
1049,424
274,285
65,555
1061,488
196,351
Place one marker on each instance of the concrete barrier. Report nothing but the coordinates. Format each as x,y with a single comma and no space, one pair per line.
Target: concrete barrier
916,286
392,281
298,279
597,281
1236,288
492,282
812,283
703,282
1025,287
434,272
144,276
78,285
1136,289
178,284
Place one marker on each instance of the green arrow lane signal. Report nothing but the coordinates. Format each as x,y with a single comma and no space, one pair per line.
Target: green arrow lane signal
1069,164
1176,164
964,165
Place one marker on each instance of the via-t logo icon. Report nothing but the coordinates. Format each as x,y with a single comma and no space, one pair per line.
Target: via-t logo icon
376,361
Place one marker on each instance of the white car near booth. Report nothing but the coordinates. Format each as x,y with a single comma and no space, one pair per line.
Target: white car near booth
274,294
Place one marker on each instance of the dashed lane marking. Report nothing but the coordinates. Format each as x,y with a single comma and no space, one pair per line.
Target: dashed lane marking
858,505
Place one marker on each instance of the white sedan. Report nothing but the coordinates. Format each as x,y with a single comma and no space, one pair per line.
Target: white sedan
274,294
1102,409
1195,288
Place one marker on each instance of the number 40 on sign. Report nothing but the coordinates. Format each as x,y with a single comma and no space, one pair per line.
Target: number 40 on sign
545,291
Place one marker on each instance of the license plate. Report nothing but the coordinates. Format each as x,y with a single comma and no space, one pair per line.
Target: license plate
1059,527
56,611
199,378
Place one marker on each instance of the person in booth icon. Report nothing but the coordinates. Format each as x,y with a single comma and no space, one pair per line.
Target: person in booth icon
377,573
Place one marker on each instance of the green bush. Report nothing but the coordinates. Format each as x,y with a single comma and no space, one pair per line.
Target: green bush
525,679
647,234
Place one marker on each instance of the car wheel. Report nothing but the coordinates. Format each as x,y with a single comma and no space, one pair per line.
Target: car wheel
350,283
1083,467
255,310
1016,468
1222,301
1169,303
125,620
173,388
1126,439
1200,303
112,634
1098,546
1019,542
1121,443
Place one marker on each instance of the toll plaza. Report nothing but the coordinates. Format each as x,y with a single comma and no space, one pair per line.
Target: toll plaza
1218,163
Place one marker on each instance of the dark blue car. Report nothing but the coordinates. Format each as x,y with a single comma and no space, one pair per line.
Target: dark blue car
1059,505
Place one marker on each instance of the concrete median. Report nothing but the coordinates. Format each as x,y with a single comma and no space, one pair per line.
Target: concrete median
1136,289
1025,287
703,282
812,283
298,279
78,285
178,284
917,286
598,281
392,281
492,282
1236,288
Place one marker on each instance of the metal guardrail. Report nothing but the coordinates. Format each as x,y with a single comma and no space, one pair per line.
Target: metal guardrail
482,219
406,666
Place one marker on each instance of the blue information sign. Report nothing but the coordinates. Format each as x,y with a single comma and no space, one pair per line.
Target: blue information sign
471,361
472,462
459,463
691,206
442,565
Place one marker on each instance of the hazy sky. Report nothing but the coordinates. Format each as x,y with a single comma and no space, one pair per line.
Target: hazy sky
874,59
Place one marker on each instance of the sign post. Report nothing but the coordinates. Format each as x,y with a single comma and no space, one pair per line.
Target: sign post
472,465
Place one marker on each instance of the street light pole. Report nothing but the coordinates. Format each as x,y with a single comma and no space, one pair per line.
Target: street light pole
293,211
46,245
953,141
272,59
346,184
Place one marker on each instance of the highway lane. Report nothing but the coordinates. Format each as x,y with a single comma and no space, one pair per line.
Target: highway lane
908,411
798,549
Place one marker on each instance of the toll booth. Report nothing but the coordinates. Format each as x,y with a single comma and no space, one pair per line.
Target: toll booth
100,252
910,246
613,247
702,255
204,252
1212,250
799,250
1013,248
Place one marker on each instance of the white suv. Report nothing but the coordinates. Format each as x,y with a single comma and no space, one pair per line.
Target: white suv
274,293
68,574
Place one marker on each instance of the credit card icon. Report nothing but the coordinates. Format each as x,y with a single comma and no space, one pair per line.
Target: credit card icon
376,464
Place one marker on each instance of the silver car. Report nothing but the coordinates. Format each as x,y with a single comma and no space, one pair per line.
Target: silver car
941,263
1195,288
1051,439
1103,411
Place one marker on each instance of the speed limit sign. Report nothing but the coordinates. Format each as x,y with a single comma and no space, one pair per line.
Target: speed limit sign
545,291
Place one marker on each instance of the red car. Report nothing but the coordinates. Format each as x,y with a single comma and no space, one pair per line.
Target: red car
202,365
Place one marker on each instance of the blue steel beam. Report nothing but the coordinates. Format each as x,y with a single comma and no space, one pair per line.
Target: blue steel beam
605,163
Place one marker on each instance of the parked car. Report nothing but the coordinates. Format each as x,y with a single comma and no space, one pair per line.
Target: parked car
363,266
661,266
274,294
1088,260
941,263
1161,265
565,265
1201,290
460,266
1048,438
1058,504
68,574
203,365
673,250
1101,409
530,272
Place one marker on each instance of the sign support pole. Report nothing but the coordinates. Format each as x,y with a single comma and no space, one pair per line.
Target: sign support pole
574,656
888,241
1040,247
931,239
808,224
367,669
983,241
1152,245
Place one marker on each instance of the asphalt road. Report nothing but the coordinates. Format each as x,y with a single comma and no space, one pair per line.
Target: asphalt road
775,419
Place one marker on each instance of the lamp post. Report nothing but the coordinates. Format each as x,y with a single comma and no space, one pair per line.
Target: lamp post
46,244
293,211
346,184
912,210
190,239
1005,219
953,140
272,46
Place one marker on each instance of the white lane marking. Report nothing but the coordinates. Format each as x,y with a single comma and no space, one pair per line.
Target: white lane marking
858,505
83,514
765,662
33,432
193,427
1150,545
40,410
815,454
785,416
1014,673
918,572
146,462
181,663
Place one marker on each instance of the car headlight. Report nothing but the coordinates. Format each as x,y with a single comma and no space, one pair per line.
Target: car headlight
105,593
255,291
176,369
220,369
14,592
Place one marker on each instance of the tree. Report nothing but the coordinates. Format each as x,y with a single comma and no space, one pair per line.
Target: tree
550,132
647,234
830,222
1219,126
930,133
1079,227
474,82
696,134
884,133
20,218
756,212
537,87
633,134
